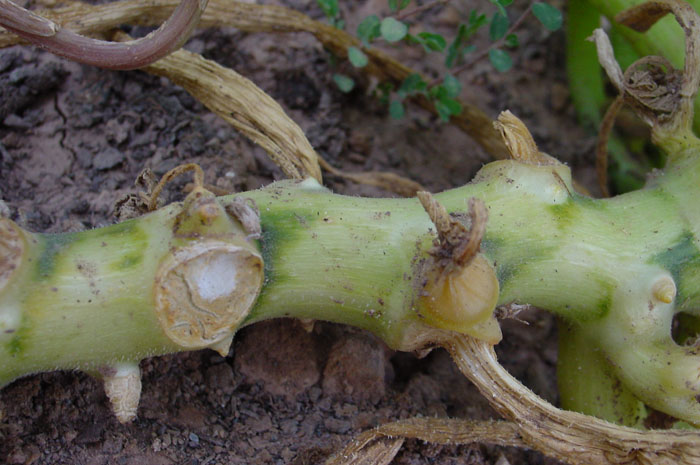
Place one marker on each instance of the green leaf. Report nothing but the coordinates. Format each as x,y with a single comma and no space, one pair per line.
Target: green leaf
451,57
384,89
437,92
476,20
396,109
344,83
396,5
512,41
452,86
501,8
329,7
458,48
432,42
368,29
447,107
393,30
499,26
550,17
412,84
453,105
357,57
500,59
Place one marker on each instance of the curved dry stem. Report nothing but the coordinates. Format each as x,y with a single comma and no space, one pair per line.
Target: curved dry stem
606,58
601,146
435,430
457,243
392,182
267,18
134,54
568,436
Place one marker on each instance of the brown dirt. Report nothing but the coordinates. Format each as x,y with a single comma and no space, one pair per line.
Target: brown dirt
73,139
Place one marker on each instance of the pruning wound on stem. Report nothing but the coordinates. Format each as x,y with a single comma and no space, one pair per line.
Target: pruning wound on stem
207,286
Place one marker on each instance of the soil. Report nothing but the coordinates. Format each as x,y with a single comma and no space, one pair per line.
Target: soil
72,141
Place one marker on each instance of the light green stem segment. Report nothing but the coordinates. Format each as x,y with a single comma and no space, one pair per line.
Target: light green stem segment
86,300
588,385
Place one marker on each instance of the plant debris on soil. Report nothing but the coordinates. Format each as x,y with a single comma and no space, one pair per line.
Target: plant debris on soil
74,138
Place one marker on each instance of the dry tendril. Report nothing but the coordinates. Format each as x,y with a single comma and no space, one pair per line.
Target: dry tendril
172,174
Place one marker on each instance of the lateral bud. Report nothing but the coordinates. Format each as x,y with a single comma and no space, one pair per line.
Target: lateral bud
664,290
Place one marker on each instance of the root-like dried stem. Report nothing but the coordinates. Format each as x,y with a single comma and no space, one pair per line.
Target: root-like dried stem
568,436
601,148
392,182
435,430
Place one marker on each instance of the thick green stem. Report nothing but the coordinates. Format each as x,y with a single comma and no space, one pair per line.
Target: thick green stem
611,268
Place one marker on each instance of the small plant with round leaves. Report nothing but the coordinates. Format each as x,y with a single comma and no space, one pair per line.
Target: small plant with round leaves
444,90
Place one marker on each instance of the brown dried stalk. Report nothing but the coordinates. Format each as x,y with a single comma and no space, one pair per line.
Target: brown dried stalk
49,35
434,430
568,436
571,437
661,95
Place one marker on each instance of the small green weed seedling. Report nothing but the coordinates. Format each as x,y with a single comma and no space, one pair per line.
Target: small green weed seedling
459,52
